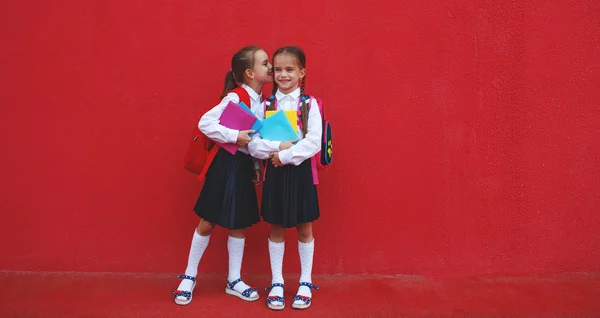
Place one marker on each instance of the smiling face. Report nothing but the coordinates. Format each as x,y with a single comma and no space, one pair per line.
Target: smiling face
262,70
288,72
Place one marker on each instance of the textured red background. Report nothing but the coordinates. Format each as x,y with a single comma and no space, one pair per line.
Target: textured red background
466,132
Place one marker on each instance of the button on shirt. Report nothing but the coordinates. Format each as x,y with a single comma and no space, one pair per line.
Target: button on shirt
210,126
306,147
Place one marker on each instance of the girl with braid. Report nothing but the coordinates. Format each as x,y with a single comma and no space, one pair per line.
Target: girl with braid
289,193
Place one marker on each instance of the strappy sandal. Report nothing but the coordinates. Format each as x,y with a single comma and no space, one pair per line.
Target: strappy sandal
305,299
271,299
184,293
245,295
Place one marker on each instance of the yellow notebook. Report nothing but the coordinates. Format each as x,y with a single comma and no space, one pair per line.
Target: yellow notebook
291,115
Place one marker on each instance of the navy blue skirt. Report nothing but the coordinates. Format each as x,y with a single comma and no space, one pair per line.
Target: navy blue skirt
289,195
228,197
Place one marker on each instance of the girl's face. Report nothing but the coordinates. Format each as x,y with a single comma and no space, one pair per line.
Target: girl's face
287,72
262,69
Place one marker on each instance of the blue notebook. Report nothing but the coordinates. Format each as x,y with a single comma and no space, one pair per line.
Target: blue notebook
277,128
258,123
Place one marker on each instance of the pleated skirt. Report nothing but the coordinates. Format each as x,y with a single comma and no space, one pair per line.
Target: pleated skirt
289,196
228,197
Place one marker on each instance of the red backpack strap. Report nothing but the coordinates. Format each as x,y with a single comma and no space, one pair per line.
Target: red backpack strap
210,156
212,151
243,95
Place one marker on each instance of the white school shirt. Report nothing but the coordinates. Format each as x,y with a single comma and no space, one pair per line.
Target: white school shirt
306,147
210,126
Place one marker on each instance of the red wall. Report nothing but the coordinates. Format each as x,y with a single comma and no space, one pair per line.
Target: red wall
466,133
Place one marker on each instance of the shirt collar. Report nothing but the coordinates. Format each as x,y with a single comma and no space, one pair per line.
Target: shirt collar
295,94
253,95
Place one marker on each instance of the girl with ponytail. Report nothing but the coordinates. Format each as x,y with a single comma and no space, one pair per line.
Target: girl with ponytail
228,197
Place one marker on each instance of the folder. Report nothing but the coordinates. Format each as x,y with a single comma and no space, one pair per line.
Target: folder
292,116
246,108
277,128
235,117
257,123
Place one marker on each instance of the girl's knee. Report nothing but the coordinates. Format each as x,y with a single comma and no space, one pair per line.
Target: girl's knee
305,237
239,233
305,234
205,228
277,233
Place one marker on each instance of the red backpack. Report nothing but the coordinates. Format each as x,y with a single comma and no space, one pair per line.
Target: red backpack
201,150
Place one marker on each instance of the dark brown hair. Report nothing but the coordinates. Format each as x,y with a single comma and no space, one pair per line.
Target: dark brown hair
301,59
240,62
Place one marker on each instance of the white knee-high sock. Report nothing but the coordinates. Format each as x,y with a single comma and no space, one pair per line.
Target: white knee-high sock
276,251
235,247
306,251
199,244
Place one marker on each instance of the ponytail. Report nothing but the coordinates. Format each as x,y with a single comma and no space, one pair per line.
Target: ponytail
229,85
240,62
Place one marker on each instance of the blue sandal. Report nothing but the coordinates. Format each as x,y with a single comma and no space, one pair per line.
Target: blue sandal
245,295
305,299
183,293
271,299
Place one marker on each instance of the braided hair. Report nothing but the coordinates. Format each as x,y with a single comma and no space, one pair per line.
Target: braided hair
270,103
301,58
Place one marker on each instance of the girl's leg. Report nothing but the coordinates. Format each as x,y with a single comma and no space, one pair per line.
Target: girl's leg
199,243
306,248
235,247
277,234
276,250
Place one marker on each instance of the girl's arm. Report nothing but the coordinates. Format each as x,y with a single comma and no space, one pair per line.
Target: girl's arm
310,144
260,148
209,123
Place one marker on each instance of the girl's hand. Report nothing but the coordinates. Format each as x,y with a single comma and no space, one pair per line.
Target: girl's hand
243,139
287,144
275,159
257,177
